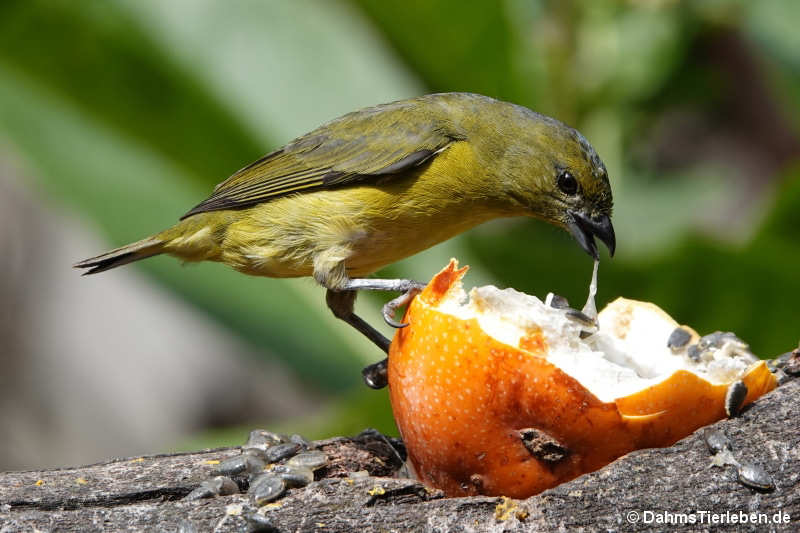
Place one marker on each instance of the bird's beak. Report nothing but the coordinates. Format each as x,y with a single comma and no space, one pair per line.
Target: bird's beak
584,228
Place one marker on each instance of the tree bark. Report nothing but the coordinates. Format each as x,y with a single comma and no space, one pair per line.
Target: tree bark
145,493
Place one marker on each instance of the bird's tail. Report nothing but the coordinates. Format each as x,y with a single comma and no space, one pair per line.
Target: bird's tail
122,256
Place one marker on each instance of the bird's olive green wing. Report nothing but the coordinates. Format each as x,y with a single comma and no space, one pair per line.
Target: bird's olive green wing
363,145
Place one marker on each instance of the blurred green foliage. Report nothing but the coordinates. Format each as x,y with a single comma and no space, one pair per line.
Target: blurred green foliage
129,111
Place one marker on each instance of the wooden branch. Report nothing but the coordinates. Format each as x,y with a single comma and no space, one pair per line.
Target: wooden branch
144,493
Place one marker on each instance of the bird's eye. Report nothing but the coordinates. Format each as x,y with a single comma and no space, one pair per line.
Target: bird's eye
567,182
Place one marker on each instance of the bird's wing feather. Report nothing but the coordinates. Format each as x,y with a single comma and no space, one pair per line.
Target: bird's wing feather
375,142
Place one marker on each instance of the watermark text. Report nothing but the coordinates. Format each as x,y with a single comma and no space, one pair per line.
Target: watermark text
706,517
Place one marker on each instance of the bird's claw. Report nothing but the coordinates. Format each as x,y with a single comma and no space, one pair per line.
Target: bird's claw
392,322
392,305
376,375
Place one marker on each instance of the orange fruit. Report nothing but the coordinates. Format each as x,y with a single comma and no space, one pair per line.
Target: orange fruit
502,396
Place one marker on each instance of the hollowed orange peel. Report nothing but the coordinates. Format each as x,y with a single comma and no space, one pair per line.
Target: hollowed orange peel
502,396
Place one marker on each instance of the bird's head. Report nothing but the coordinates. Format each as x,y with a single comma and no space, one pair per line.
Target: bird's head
555,175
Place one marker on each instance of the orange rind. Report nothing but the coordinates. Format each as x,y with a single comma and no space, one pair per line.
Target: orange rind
505,395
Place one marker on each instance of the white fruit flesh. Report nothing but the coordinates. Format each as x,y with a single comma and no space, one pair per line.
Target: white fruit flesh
627,354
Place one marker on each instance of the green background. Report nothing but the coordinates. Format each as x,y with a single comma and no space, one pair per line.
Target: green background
129,112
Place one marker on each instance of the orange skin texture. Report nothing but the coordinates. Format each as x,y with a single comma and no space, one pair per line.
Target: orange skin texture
460,398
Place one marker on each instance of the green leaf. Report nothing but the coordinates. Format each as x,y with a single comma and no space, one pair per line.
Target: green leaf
466,45
130,111
87,164
95,57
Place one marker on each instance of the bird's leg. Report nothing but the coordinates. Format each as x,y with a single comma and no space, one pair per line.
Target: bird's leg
409,288
370,284
342,303
341,300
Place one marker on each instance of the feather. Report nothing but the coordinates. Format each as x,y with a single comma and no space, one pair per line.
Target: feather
377,142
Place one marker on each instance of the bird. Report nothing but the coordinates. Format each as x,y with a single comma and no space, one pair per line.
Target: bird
383,183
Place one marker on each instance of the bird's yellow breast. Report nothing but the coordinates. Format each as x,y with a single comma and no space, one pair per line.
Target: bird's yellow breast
354,231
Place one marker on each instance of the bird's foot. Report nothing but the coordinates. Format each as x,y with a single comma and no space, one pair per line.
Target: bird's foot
376,375
391,307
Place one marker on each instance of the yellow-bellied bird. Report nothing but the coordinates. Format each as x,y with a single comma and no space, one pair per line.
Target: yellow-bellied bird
383,183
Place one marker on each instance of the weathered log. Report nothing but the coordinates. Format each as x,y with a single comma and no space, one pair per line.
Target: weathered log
675,484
